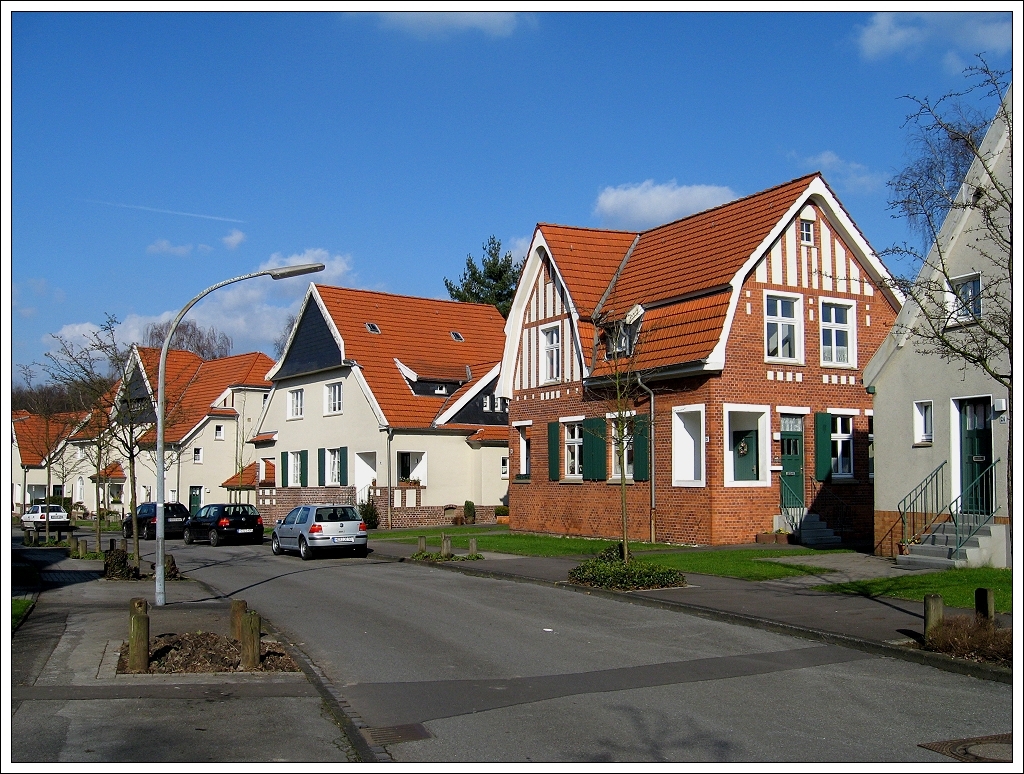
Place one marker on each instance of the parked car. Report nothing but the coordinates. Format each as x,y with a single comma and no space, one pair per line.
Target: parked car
36,515
221,522
175,515
309,528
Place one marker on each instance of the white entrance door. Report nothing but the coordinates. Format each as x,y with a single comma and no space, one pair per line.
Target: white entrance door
366,472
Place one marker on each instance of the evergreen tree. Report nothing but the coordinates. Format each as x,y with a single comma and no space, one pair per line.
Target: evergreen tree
493,282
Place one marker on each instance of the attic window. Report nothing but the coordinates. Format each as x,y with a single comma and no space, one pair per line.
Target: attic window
441,390
372,327
457,336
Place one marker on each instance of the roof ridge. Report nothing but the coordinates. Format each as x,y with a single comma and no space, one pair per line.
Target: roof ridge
406,295
591,228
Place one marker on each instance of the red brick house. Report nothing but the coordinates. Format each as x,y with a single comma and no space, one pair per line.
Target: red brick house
743,331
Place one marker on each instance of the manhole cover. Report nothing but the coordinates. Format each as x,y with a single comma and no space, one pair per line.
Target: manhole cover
997,748
386,735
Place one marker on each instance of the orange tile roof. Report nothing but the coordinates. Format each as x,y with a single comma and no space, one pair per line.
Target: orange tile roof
264,437
193,384
416,331
113,472
38,437
587,259
247,479
491,433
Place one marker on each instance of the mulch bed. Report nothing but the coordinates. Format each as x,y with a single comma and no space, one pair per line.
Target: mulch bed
195,652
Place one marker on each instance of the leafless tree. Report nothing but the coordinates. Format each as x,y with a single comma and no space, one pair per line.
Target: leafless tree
208,343
282,340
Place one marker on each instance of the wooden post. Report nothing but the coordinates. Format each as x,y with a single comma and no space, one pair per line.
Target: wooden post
933,613
138,606
446,545
421,544
138,642
113,543
251,625
238,609
124,545
472,545
985,604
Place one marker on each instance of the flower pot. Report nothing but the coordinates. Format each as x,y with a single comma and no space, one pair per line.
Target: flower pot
903,549
764,537
782,537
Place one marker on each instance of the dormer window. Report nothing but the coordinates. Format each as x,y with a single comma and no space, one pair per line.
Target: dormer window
456,336
619,341
487,402
373,327
441,390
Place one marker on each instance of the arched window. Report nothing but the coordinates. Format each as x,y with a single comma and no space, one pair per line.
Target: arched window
80,490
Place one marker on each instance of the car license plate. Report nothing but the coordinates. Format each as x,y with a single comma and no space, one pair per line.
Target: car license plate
245,530
170,520
343,539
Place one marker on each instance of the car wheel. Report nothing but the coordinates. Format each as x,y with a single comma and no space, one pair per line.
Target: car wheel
187,536
360,551
215,538
304,550
126,530
275,545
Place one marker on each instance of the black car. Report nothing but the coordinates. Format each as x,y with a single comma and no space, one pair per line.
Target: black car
221,522
175,515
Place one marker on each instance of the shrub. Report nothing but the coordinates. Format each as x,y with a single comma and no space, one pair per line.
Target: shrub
973,638
500,510
469,512
118,566
368,513
608,571
427,556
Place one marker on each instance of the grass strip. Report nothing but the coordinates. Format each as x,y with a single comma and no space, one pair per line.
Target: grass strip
956,586
745,564
536,545
19,609
410,535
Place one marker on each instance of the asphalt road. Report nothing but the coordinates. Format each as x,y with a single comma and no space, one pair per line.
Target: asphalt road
504,671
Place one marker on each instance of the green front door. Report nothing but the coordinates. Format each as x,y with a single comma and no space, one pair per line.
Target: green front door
976,456
195,499
792,457
744,455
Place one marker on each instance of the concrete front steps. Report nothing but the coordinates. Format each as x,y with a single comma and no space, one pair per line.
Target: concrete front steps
937,550
808,530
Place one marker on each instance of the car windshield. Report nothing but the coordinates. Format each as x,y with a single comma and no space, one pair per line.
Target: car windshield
240,510
337,513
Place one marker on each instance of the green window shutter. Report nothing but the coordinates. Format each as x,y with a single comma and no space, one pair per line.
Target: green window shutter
321,466
595,450
554,451
822,446
304,467
343,468
284,468
641,448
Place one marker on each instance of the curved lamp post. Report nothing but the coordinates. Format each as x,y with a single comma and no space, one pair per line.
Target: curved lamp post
282,273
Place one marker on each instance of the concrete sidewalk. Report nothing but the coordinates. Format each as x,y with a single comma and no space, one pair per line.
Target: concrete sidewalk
69,704
788,604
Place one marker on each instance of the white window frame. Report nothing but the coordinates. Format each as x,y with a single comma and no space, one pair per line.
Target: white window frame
688,450
487,402
764,442
850,327
197,455
552,353
504,466
332,407
333,467
807,225
615,419
524,447
841,436
871,445
573,450
294,468
797,321
924,422
218,432
296,399
959,316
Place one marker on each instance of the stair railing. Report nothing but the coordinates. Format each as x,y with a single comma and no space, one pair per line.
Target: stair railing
925,503
832,508
791,504
976,506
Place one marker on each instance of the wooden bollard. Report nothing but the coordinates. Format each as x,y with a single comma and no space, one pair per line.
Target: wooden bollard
446,545
421,544
472,545
238,609
138,606
138,642
985,604
124,545
83,547
113,544
933,613
251,625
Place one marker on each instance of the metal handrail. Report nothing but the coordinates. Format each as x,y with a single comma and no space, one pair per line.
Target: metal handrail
922,507
967,522
789,499
837,512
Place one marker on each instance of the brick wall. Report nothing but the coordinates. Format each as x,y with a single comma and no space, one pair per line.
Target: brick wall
715,513
276,503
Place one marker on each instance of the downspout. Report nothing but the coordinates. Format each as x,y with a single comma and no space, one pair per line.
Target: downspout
390,496
24,488
650,453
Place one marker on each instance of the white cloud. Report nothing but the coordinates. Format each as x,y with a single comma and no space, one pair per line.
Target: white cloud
850,175
165,247
435,25
910,33
76,333
234,239
638,205
518,246
203,248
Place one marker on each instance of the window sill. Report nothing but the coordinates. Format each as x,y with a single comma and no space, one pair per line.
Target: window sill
844,481
618,480
921,445
570,481
840,366
521,480
330,414
292,419
688,482
785,362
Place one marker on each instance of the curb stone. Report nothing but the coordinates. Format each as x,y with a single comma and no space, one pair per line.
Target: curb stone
927,658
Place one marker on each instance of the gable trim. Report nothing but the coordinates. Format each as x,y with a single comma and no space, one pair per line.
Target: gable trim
311,292
471,393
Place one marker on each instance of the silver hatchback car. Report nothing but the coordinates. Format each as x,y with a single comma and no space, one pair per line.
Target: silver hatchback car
310,528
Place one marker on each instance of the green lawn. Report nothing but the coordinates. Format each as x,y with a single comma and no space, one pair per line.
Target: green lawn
19,609
956,586
528,544
409,535
743,563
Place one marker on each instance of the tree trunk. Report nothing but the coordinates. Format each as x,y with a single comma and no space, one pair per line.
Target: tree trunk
133,505
46,501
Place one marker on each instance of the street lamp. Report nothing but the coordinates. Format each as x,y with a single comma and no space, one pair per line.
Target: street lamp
280,273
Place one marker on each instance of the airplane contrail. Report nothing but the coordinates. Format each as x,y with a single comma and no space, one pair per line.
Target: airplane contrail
166,212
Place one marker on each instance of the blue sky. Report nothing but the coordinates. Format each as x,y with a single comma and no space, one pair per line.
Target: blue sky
156,154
